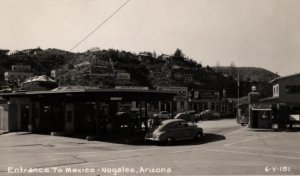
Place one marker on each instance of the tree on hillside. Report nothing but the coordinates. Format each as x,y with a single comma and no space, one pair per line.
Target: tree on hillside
178,55
154,54
233,71
218,67
3,52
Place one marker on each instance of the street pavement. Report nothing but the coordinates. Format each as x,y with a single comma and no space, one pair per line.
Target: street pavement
227,149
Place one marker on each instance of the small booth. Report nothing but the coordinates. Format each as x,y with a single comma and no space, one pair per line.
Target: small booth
260,116
254,113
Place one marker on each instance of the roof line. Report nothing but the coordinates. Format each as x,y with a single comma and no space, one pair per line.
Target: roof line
284,77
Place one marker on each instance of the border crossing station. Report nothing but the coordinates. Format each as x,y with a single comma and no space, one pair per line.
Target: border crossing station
281,111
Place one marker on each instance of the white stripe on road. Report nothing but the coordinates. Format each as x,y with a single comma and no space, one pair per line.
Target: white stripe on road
53,159
96,152
257,154
271,150
252,139
69,156
135,156
232,132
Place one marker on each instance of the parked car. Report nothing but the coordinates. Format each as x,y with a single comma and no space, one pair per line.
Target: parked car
127,119
188,116
207,115
157,118
243,120
162,115
174,129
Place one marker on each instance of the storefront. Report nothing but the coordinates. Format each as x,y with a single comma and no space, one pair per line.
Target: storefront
88,111
202,100
180,102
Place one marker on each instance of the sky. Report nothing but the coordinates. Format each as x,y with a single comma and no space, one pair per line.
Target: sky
259,33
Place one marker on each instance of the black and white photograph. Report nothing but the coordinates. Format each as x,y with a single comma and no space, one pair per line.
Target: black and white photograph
149,87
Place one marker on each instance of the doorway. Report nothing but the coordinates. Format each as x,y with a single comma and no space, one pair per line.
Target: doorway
25,113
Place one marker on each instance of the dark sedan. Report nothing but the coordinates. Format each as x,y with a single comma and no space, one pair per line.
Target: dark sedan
174,129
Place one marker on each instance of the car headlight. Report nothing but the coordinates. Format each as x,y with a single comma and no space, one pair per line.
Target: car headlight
156,135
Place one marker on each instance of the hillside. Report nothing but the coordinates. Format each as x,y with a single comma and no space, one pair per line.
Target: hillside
41,61
175,70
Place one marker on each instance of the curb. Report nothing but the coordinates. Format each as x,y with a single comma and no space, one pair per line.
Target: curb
3,132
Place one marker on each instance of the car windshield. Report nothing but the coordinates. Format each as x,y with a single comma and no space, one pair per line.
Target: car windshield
156,127
178,115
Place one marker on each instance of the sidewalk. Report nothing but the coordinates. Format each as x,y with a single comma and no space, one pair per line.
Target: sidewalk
3,132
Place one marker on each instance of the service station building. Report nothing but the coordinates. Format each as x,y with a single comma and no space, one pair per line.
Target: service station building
84,111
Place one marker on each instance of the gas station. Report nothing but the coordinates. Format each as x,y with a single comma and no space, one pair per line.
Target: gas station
78,111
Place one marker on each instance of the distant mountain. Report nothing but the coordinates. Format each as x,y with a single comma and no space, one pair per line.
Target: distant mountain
248,77
254,74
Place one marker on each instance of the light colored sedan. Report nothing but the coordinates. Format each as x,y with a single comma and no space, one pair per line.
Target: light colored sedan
174,129
208,115
162,115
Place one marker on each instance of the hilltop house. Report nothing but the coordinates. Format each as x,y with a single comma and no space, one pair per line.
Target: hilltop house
18,74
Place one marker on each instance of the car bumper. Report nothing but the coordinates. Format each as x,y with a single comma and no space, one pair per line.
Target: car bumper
151,139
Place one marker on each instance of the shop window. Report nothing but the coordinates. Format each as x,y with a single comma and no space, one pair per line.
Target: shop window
47,109
103,112
293,89
224,107
276,90
137,104
69,116
151,106
205,105
155,105
174,106
212,106
218,107
182,105
200,107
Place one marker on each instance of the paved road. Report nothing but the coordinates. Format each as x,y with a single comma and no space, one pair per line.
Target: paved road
226,149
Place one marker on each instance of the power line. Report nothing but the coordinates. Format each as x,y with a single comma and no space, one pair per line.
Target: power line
101,24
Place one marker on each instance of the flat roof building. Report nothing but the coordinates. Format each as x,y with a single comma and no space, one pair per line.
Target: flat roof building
71,110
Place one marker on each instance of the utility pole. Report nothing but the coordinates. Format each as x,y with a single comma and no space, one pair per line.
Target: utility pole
238,95
109,72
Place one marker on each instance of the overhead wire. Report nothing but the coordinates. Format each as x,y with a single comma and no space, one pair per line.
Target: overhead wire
100,25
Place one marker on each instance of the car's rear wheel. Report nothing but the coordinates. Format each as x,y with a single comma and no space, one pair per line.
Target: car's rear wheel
170,141
199,135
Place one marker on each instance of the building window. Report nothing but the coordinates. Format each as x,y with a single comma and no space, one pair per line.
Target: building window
293,89
213,106
205,106
224,107
200,107
218,107
276,90
182,105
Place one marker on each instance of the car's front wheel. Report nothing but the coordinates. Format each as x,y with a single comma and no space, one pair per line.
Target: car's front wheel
170,141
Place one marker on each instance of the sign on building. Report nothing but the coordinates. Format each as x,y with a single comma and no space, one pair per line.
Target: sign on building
131,88
206,94
182,92
123,76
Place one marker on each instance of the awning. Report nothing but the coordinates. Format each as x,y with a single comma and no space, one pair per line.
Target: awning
270,100
257,109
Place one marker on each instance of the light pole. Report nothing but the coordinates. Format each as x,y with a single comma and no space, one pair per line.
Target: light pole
238,96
